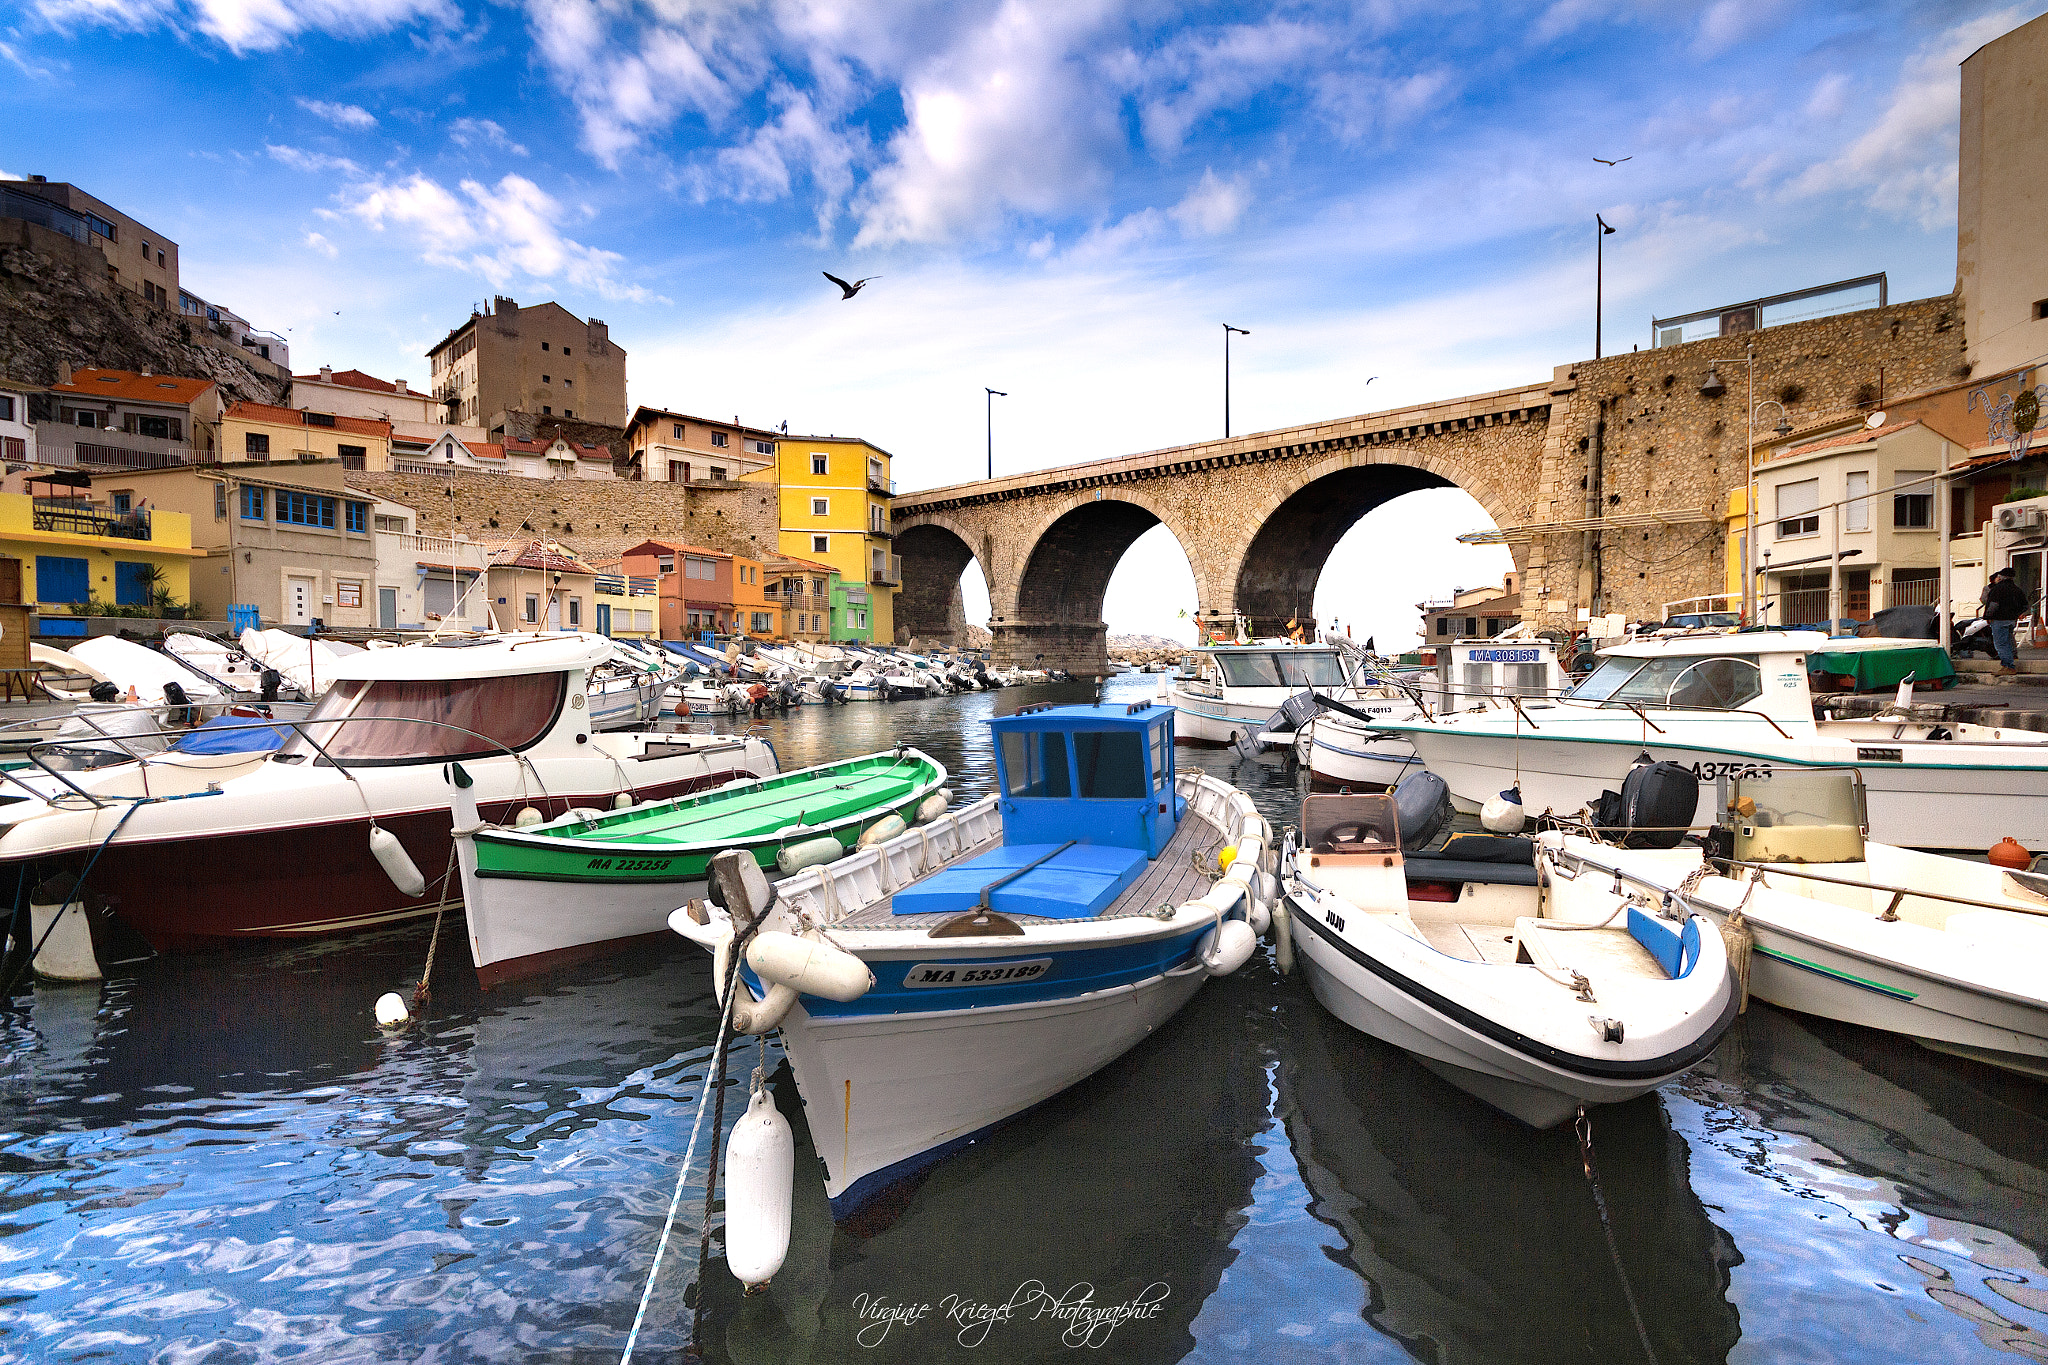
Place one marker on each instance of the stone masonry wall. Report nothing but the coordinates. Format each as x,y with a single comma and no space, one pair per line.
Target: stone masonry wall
598,518
1667,446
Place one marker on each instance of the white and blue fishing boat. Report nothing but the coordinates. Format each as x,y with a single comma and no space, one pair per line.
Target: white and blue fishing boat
945,981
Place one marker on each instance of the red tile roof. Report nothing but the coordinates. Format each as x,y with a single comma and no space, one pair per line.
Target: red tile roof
536,554
582,451
1862,436
128,386
356,379
294,417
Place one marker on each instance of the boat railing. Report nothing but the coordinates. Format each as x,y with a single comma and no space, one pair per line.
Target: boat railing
35,753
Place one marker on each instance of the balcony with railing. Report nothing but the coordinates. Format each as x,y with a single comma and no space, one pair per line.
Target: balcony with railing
95,454
414,547
887,573
627,585
878,484
65,516
878,524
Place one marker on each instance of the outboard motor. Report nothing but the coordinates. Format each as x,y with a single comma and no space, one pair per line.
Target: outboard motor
1422,803
272,681
1654,808
104,692
182,711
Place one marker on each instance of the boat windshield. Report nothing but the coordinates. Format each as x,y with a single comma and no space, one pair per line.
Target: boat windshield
1599,685
378,722
1710,684
1282,668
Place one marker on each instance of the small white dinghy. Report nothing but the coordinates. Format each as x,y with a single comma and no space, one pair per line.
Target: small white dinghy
1537,984
1950,952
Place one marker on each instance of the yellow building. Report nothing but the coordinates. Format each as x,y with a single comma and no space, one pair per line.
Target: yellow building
60,549
835,510
262,434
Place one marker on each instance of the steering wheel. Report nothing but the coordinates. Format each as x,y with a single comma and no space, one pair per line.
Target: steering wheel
1346,834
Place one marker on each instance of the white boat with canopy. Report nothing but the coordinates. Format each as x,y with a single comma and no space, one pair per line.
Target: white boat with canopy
1741,705
1234,690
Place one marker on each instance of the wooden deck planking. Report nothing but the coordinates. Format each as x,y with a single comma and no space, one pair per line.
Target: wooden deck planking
1172,879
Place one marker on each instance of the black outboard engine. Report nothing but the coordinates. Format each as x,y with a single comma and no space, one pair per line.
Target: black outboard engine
104,692
1422,803
790,695
1654,808
272,681
182,711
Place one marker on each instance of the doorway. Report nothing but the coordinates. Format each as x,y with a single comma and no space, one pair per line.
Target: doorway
298,601
604,618
387,608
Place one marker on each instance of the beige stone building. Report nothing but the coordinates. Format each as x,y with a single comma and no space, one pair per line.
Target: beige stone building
130,418
541,585
1472,613
2002,200
263,434
139,258
292,542
676,447
540,359
416,418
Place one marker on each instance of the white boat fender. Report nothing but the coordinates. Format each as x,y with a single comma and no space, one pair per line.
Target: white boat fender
1260,919
794,858
882,831
933,806
764,1015
1283,937
622,800
809,966
1267,888
391,1011
1227,947
760,1170
527,816
1502,814
396,862
60,933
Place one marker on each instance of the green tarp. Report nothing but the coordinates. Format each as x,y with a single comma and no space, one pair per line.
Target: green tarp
1880,668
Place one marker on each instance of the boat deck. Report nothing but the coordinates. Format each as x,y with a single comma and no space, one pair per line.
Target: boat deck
1173,879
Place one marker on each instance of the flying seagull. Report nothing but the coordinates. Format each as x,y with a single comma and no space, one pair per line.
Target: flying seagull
847,291
1605,162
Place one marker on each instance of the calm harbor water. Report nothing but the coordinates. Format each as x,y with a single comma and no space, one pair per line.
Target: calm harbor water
220,1158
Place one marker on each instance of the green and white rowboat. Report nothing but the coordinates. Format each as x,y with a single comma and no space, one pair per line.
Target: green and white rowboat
579,885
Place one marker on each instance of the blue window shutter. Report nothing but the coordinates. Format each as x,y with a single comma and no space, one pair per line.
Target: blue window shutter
131,588
61,580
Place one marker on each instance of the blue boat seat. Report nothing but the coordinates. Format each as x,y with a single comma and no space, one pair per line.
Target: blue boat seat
1075,883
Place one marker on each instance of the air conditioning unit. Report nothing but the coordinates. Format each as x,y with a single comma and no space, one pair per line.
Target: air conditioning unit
2020,519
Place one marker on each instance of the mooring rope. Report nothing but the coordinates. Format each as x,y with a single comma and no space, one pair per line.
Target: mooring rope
1583,1126
714,1078
420,992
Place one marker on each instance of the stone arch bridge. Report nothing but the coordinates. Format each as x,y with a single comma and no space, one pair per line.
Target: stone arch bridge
1256,515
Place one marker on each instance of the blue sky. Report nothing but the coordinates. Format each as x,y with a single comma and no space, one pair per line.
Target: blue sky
1063,200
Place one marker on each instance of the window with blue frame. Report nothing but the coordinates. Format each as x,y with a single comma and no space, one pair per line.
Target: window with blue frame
252,504
359,516
1110,764
1036,763
132,584
304,509
62,580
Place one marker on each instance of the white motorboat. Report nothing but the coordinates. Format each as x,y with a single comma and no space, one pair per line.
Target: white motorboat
1537,986
1236,688
345,827
992,960
1741,705
1950,952
227,667
1346,748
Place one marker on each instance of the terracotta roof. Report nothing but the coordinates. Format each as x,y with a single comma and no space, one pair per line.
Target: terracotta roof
535,554
356,379
294,417
784,563
128,386
1861,436
677,547
485,450
583,451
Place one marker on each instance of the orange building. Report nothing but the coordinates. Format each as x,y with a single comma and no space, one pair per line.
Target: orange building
702,589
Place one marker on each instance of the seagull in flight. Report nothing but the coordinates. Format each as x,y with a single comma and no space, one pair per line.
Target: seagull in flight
847,291
1605,162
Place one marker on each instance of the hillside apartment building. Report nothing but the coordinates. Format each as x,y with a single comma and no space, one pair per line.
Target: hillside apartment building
540,359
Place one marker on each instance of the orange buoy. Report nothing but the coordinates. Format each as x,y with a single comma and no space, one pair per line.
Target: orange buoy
2007,852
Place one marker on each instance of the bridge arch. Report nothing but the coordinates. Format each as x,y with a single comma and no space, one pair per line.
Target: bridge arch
1301,517
1047,606
934,551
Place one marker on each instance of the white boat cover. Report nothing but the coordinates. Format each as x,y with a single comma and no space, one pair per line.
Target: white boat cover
308,665
218,660
127,664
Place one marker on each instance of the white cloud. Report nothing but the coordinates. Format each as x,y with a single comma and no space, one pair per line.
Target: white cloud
1213,206
340,115
1201,73
502,232
301,160
1905,164
483,132
314,241
1357,105
250,25
798,141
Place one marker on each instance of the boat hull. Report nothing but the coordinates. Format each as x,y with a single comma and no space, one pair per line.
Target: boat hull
1353,758
520,929
887,1094
1488,1061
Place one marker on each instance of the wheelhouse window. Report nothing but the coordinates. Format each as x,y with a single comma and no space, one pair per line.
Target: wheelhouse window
1289,669
391,721
1711,684
1109,765
1035,763
1162,756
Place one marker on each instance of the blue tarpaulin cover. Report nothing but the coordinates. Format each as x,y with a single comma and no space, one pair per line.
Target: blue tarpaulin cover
234,735
1077,883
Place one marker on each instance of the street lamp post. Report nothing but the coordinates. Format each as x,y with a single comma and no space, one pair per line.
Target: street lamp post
1227,330
993,395
1599,276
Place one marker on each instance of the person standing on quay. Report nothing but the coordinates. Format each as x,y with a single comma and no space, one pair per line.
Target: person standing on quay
2003,604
